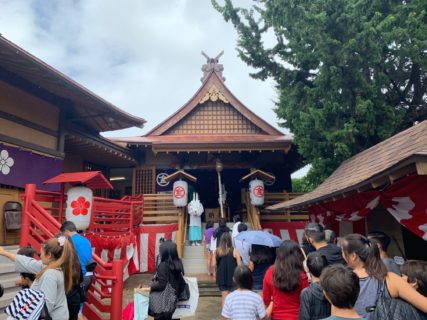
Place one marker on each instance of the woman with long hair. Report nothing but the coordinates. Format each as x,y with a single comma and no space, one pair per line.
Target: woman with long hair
170,270
54,273
284,281
363,256
225,257
261,258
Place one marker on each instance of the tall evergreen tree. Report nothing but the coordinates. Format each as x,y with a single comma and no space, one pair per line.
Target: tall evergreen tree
349,73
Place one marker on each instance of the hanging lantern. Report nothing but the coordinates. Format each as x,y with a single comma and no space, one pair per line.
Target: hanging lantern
180,193
256,192
79,206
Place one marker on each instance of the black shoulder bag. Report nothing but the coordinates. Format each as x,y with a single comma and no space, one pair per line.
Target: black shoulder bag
389,308
185,290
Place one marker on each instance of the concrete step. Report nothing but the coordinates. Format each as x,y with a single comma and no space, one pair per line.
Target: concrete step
194,252
194,259
197,266
13,249
208,289
8,279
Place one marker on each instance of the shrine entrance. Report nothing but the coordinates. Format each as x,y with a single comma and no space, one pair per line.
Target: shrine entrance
208,189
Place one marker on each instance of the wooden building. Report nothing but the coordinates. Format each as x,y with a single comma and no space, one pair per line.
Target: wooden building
213,127
379,189
50,124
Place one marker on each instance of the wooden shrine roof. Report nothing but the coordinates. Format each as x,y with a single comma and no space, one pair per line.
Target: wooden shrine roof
387,161
213,119
258,174
90,179
82,105
180,174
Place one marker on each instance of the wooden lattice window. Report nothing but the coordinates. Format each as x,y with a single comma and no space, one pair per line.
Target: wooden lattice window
215,118
144,180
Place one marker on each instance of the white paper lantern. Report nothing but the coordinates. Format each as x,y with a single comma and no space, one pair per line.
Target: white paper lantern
256,192
79,206
180,193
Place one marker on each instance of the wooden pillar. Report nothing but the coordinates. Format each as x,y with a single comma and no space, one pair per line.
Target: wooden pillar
30,193
181,232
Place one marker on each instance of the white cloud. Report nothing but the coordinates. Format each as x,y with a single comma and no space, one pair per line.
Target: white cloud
143,56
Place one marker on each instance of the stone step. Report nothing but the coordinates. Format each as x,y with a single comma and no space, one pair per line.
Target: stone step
194,252
8,279
13,249
208,289
197,266
7,267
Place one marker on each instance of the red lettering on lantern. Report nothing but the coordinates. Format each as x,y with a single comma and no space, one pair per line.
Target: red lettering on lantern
179,192
80,206
258,191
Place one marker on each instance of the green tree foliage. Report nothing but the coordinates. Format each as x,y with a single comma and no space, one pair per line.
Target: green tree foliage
302,185
349,73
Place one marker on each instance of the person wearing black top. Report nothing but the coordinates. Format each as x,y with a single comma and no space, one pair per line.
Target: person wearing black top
222,228
315,234
171,270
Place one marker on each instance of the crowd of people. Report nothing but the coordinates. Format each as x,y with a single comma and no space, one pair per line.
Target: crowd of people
57,276
317,280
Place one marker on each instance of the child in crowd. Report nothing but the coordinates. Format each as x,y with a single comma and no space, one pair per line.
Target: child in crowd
313,304
27,279
209,231
415,273
341,287
243,303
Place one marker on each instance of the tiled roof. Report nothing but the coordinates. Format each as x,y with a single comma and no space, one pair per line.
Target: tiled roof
367,165
87,108
213,119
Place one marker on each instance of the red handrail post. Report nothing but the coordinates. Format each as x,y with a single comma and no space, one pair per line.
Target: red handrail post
30,193
117,291
61,203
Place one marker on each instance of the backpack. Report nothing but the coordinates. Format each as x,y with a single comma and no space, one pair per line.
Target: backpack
387,307
27,304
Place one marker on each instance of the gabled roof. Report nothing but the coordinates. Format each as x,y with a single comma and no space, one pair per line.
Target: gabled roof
84,107
189,129
212,80
399,155
91,179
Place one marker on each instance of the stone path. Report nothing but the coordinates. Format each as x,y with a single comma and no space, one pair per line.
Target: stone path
209,308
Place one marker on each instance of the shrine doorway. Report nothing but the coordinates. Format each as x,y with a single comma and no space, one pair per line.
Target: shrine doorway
207,188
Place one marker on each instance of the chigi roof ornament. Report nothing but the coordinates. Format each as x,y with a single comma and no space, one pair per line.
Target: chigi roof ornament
212,64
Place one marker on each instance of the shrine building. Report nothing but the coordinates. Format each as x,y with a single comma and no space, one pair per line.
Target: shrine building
213,136
49,124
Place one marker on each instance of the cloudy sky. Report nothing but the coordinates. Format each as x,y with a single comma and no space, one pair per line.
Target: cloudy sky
143,56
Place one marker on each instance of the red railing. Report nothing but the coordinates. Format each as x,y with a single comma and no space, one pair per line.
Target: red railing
111,216
137,202
38,224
